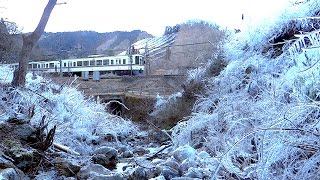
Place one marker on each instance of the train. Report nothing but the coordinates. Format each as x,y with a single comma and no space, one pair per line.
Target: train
119,65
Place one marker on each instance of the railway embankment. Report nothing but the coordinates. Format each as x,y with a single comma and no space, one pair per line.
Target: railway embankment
137,93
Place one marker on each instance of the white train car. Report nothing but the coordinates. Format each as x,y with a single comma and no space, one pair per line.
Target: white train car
121,64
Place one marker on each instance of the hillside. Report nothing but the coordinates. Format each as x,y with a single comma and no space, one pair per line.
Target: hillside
182,48
84,43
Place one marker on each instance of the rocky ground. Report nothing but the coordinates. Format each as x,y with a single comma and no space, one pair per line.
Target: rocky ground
149,154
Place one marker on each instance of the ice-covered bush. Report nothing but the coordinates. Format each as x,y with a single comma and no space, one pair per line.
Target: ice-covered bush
79,119
260,117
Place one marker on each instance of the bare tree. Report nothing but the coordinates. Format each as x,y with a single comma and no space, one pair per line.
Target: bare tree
29,41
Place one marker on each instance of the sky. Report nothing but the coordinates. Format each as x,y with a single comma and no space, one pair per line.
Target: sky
127,15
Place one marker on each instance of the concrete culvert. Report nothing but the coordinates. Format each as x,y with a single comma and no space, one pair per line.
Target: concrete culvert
114,106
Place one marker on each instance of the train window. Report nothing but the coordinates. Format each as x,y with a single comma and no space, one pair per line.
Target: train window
74,64
47,65
79,63
124,61
92,62
99,62
34,66
64,64
29,66
85,63
51,65
106,62
112,61
136,59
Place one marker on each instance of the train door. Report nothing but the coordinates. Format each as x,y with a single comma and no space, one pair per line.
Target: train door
69,65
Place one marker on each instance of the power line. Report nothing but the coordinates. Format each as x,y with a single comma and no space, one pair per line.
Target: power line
159,46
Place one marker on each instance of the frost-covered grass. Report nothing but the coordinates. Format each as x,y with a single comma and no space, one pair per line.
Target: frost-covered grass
79,119
260,117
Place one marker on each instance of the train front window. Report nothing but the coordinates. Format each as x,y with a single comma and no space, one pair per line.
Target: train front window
51,65
29,66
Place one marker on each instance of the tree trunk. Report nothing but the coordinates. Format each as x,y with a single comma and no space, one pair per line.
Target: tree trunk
29,41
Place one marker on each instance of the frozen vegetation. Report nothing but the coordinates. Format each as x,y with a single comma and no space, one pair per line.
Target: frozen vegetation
259,118
79,119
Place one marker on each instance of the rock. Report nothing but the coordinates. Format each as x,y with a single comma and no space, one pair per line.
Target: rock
23,158
160,136
65,167
106,156
172,163
122,148
97,172
157,161
95,140
106,150
139,173
184,152
141,151
159,178
185,178
4,163
142,135
187,164
200,173
168,172
110,138
127,154
204,155
25,132
12,174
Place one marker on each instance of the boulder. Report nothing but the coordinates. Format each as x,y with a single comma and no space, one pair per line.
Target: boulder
12,173
141,151
97,172
158,178
139,173
66,167
106,156
187,164
24,158
172,163
168,172
200,173
127,154
185,178
184,152
5,163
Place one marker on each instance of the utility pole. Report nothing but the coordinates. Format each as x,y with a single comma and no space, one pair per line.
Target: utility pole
147,62
130,60
61,73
